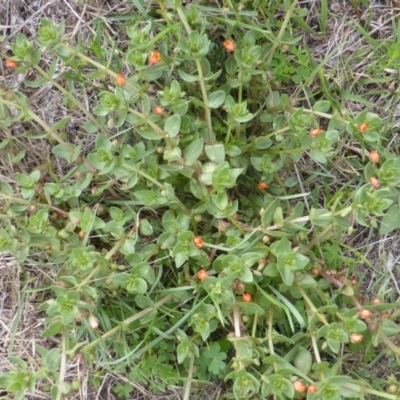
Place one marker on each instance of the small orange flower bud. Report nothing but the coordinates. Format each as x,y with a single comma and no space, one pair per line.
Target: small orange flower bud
120,80
365,314
202,274
316,132
266,239
356,338
154,57
93,322
299,386
11,63
374,156
246,297
374,182
363,127
198,242
262,185
315,271
229,45
81,234
312,389
158,110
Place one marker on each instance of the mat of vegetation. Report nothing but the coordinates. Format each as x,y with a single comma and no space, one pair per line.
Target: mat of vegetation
199,200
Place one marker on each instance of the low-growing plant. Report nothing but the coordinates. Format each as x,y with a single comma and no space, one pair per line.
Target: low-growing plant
183,246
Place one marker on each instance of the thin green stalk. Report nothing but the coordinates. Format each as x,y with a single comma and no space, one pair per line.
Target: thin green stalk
96,269
43,124
73,98
63,365
270,325
151,179
126,322
211,138
277,41
311,305
240,99
186,395
371,391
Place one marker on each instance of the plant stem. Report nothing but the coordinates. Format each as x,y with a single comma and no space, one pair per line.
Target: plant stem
151,179
186,395
240,96
311,304
127,321
73,98
211,138
63,365
277,41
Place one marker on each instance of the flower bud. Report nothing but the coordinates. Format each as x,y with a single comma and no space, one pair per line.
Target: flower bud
93,322
299,386
229,45
365,314
316,132
374,182
374,156
356,338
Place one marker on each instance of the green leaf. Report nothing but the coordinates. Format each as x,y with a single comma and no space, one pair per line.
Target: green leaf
251,308
216,99
193,151
53,329
220,200
391,220
322,106
149,133
90,127
320,217
53,359
68,152
215,153
145,227
187,77
172,125
389,327
216,363
303,360
36,83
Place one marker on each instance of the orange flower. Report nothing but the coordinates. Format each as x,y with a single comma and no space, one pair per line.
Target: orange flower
365,314
363,127
356,338
229,45
202,274
154,57
11,63
374,182
198,242
262,185
316,132
158,110
120,80
246,297
374,156
299,386
312,389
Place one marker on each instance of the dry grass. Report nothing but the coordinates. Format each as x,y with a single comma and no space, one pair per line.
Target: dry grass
348,57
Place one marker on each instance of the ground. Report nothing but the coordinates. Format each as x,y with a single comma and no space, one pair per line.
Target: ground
352,66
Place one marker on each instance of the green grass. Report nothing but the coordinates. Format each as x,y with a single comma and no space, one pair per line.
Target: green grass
256,173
